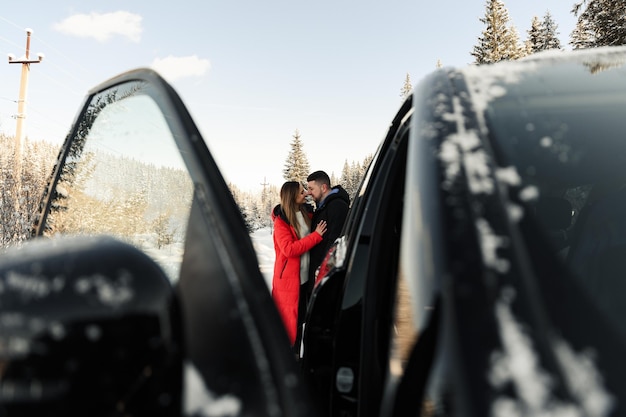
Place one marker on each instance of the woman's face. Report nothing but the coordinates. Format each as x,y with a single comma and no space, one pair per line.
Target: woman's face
301,196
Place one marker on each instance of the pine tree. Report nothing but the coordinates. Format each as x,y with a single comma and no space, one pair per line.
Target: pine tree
366,162
246,219
601,23
550,34
20,197
534,42
346,177
161,228
333,178
273,197
514,49
256,209
352,175
499,40
542,35
297,166
357,175
407,87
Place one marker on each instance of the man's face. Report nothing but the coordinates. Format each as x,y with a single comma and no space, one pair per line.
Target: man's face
315,190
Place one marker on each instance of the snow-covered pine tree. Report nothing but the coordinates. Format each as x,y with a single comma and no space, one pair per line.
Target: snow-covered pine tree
20,195
550,33
542,35
407,87
273,199
352,174
499,40
256,208
534,41
240,200
357,175
297,166
601,23
346,178
366,162
161,228
514,48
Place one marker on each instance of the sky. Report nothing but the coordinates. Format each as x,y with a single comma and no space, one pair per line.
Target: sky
251,73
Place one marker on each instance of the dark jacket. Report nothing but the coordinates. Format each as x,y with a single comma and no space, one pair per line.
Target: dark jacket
286,280
333,209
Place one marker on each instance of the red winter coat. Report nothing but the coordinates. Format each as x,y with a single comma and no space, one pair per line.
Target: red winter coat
286,280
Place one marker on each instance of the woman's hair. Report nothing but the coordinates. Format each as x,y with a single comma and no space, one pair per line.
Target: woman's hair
288,193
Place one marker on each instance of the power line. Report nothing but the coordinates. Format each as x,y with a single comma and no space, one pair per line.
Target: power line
8,41
10,22
52,52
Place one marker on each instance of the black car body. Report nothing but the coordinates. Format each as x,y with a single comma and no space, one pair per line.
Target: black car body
481,267
479,272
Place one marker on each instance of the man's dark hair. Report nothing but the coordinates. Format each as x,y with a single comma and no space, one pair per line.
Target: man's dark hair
320,177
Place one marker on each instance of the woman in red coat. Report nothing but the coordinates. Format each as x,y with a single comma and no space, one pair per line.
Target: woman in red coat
292,241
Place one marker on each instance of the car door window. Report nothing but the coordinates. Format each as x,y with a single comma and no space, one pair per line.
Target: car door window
124,177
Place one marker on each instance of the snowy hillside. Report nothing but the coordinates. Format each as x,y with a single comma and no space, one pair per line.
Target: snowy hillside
264,248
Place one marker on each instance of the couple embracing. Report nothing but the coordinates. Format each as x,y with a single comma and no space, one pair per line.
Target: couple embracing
302,236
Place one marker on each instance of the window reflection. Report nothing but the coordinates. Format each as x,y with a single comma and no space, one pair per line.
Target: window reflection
124,177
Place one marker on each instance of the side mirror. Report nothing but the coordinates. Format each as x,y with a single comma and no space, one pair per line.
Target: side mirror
88,327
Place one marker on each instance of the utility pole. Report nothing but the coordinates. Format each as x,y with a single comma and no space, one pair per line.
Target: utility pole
21,104
267,210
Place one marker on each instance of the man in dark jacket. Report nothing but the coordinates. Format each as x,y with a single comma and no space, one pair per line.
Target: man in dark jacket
332,205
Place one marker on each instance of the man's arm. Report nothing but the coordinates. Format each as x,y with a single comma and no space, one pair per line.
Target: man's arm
337,213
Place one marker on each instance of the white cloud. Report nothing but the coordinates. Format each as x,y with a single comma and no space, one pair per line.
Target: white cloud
173,68
102,26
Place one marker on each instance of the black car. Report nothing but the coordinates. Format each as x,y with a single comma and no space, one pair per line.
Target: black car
479,271
482,267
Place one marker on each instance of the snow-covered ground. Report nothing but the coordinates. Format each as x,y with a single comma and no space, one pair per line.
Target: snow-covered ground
264,248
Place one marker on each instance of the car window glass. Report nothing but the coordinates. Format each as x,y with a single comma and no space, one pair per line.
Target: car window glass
569,151
124,177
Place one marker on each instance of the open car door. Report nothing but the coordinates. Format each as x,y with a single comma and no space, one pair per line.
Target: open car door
140,293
